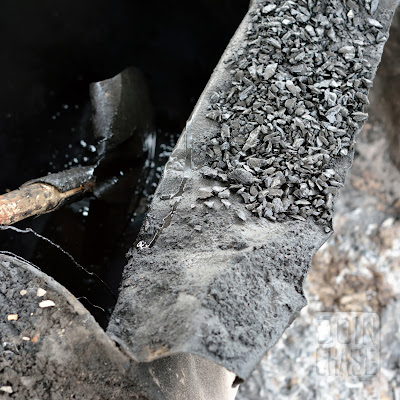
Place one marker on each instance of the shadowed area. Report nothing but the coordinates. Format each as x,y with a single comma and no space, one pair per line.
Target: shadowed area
52,51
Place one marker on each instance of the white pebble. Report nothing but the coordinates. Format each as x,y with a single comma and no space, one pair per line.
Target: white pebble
46,303
40,292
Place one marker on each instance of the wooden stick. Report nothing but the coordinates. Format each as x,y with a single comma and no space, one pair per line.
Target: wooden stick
30,200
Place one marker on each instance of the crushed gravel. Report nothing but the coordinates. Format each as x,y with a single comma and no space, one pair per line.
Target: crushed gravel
294,104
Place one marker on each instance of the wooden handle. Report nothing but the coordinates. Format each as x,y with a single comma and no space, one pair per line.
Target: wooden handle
30,200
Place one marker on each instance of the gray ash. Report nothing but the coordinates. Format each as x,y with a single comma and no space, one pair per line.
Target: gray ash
294,106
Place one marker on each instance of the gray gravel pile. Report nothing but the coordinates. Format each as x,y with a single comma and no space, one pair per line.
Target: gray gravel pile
295,103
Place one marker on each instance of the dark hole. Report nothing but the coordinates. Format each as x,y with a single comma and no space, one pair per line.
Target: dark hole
238,381
51,51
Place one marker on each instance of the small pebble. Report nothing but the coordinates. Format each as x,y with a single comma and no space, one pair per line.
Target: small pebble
217,189
204,193
40,292
46,303
226,203
241,214
375,23
209,204
225,194
270,71
268,8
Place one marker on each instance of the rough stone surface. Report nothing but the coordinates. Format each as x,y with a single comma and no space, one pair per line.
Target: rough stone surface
220,281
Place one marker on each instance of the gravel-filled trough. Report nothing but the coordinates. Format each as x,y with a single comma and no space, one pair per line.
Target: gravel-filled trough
247,195
246,199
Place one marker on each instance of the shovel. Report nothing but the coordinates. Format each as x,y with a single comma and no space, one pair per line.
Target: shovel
122,118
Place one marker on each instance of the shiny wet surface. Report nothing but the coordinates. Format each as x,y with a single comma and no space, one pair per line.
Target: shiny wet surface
52,52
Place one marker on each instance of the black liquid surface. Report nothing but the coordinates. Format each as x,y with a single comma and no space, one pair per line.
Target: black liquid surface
51,52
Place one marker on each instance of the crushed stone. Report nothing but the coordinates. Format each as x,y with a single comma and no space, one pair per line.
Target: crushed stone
293,107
